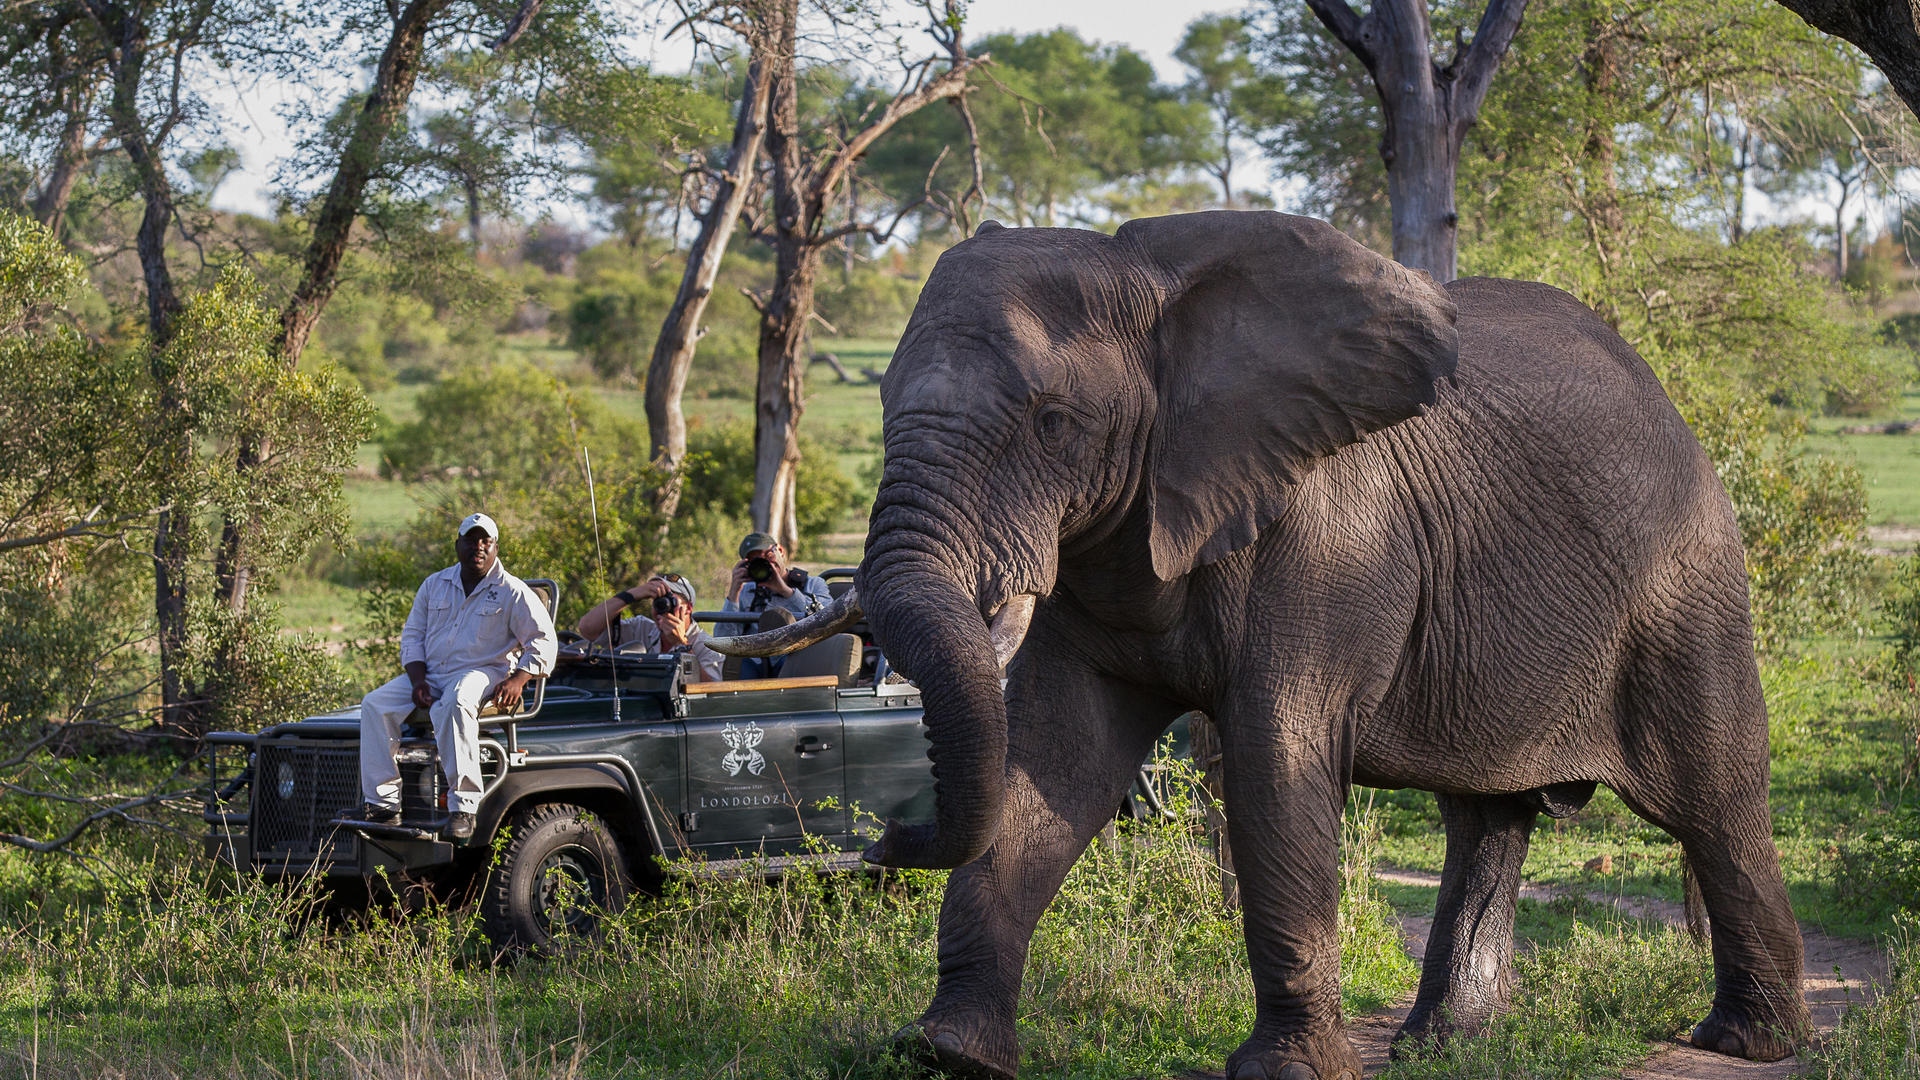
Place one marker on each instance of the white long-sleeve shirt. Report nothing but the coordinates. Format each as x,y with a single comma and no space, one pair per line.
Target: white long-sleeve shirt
501,627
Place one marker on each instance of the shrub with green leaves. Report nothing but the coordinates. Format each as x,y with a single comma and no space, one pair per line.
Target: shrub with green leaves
508,425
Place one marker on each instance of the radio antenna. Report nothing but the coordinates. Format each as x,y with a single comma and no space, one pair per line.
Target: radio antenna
600,568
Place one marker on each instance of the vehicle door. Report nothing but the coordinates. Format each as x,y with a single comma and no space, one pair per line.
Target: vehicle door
763,767
889,775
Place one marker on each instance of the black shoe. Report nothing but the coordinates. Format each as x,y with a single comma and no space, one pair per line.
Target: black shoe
460,826
377,814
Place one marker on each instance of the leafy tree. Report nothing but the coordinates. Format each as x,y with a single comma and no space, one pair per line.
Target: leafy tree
1219,49
83,485
1066,124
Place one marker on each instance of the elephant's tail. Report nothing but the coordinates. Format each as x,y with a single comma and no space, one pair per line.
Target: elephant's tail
1696,905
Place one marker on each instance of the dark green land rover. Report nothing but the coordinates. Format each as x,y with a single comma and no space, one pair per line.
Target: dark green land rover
598,791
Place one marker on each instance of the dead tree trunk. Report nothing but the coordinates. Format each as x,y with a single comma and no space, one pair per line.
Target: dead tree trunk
783,316
680,332
1428,109
804,187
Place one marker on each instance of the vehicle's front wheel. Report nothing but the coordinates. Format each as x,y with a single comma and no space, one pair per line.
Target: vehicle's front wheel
559,876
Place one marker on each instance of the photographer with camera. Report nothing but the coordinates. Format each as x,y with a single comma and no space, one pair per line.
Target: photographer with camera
667,601
763,582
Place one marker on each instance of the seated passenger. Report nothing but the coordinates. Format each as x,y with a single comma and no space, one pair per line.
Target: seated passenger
763,582
665,625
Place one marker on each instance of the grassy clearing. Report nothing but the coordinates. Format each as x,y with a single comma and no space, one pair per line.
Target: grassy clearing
172,969
1593,990
1890,463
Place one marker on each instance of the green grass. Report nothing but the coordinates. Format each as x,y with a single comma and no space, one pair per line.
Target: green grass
167,968
1593,991
1890,463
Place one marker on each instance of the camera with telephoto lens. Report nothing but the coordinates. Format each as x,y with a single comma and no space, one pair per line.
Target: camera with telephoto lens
666,605
759,570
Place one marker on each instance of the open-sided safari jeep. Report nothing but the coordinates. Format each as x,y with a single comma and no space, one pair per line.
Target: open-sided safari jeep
598,791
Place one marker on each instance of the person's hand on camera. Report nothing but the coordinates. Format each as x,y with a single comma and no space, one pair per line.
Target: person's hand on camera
777,584
738,580
676,627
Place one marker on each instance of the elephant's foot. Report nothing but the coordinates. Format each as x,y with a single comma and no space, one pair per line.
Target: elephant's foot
1430,1026
1302,1057
943,1049
1738,1032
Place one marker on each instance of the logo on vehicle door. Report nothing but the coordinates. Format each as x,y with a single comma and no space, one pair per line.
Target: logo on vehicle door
742,741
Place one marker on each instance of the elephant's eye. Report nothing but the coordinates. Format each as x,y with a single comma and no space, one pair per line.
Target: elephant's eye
1056,425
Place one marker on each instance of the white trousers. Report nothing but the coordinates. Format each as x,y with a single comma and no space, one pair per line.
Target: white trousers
456,729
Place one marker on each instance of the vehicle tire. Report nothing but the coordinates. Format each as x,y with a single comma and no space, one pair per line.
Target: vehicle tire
560,874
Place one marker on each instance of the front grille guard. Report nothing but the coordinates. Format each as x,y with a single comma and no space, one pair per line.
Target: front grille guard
294,788
299,786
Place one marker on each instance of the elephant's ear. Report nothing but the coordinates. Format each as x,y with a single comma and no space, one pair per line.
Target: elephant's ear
1281,340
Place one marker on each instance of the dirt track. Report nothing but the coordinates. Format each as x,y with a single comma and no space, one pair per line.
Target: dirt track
1857,966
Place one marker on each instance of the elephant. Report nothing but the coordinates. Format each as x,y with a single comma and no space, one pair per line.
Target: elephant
1382,531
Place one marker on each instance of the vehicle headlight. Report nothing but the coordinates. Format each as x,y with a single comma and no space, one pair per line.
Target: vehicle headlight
285,778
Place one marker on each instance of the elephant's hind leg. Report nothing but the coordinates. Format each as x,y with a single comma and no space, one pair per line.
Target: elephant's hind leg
1697,767
1469,954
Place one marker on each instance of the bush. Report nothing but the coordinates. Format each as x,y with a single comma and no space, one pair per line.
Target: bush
1801,517
875,303
624,292
506,426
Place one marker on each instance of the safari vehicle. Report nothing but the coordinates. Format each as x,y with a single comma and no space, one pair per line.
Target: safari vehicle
617,767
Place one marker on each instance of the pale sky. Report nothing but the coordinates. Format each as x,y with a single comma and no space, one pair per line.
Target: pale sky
1150,29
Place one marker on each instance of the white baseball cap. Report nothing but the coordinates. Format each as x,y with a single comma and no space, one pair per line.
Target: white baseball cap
478,521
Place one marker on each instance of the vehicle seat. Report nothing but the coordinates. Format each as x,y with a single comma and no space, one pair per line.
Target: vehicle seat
838,656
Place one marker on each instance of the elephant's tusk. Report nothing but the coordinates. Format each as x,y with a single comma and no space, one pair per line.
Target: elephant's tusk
1009,627
843,612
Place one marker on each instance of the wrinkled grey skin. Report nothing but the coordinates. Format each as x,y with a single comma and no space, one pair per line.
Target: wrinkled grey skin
1233,456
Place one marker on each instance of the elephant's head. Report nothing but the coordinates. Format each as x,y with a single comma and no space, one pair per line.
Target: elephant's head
1059,387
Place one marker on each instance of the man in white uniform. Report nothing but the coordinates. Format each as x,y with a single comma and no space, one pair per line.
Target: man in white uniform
476,634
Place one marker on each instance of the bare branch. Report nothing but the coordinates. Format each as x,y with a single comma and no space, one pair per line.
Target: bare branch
516,26
118,810
1498,24
82,529
1347,25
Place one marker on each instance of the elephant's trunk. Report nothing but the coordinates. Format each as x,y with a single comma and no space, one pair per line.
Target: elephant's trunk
932,631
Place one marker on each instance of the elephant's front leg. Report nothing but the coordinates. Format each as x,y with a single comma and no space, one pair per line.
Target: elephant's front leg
1075,741
1286,787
